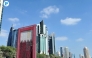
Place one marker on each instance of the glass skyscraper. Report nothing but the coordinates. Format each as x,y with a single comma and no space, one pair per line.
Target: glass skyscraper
61,51
12,38
52,43
14,41
42,39
9,43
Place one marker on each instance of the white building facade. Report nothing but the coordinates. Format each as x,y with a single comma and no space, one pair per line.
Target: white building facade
66,52
1,12
86,52
42,39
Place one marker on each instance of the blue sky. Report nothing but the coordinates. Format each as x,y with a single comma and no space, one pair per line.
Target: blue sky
70,20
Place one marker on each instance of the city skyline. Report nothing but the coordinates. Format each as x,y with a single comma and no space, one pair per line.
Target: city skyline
68,54
73,34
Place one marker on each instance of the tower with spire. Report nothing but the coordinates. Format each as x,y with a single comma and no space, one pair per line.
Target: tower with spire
12,37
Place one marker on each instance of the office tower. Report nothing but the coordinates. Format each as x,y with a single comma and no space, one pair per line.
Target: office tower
74,55
66,52
26,45
12,38
9,43
80,56
46,39
1,12
70,55
52,43
37,39
86,52
61,51
42,38
41,27
57,53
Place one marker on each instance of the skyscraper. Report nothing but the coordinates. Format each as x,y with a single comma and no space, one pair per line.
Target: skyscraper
12,38
80,56
66,52
52,43
42,38
1,12
70,55
57,53
41,27
61,51
74,55
86,52
38,38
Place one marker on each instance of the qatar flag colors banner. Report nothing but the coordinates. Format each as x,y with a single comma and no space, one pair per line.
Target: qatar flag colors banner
26,45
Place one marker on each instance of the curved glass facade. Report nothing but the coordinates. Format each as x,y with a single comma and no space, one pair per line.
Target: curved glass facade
12,38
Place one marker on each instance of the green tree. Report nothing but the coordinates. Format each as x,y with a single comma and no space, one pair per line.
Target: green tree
41,55
8,52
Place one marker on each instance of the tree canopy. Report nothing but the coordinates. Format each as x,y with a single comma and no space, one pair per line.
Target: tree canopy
8,52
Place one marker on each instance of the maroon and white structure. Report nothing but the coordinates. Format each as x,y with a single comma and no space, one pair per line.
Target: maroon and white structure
26,45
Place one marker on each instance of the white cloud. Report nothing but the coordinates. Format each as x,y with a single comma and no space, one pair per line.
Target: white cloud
4,33
23,11
49,10
14,20
79,40
70,21
16,24
90,30
62,38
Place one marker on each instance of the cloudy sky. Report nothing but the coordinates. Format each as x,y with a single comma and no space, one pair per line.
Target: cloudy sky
70,20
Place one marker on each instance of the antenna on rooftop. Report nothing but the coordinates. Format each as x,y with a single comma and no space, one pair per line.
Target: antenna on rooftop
12,25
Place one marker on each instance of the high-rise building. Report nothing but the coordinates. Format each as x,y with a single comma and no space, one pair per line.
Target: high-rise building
1,12
52,43
66,52
80,56
41,27
57,53
61,51
70,55
74,55
9,43
42,38
12,38
86,52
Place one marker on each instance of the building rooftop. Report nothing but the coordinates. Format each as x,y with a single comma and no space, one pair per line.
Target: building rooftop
85,47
